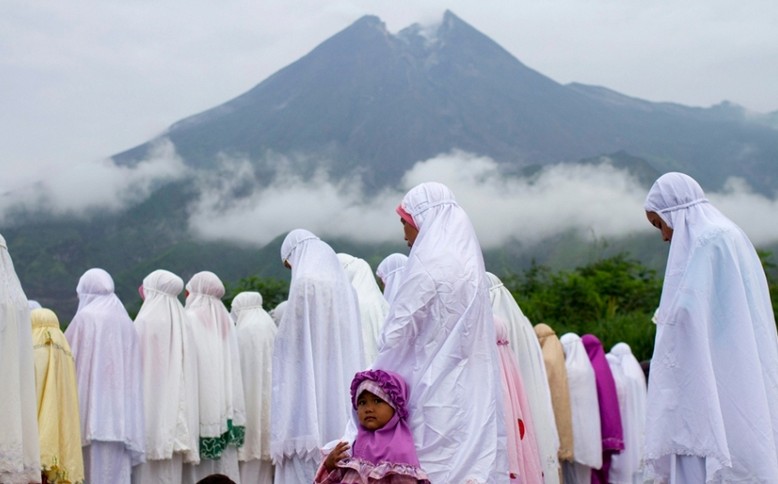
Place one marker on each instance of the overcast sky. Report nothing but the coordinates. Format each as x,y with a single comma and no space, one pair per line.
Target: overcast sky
82,80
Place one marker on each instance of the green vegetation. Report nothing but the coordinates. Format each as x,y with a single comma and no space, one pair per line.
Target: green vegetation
273,290
771,270
613,298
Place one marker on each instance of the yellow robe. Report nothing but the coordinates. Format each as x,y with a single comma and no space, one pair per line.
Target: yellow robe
55,381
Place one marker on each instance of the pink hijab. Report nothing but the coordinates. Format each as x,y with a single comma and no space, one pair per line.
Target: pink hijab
390,449
523,456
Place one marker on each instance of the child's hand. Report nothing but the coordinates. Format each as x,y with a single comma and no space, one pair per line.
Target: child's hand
338,453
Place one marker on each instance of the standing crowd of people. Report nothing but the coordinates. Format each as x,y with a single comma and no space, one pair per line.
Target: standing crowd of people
434,376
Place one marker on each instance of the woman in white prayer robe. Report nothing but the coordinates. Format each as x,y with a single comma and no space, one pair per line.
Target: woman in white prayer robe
222,410
626,466
585,406
19,446
317,351
390,272
525,344
106,348
256,333
169,381
373,307
277,313
439,336
712,405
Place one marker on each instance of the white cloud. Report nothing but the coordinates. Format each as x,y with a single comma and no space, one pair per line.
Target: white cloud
595,200
754,213
599,201
83,188
326,207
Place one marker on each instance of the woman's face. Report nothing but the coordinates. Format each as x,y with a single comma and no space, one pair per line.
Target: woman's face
373,412
656,221
410,233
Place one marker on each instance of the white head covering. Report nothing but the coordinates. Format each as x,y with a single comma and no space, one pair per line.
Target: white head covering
390,271
525,345
277,313
256,332
713,386
169,370
19,450
373,308
439,336
631,388
318,347
587,434
220,384
108,366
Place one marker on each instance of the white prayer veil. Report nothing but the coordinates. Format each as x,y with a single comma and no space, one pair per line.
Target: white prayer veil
169,370
525,345
220,384
584,403
277,313
390,271
109,371
256,332
373,308
439,336
317,351
19,449
626,466
713,386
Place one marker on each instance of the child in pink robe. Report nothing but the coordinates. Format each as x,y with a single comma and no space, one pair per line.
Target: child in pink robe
383,452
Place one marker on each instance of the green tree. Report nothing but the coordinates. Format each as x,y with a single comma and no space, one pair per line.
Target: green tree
612,298
771,271
273,290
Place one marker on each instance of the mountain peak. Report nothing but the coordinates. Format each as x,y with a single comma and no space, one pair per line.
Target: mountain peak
450,18
374,103
368,21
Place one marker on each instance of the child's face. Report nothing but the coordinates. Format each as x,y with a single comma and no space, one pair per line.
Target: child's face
373,413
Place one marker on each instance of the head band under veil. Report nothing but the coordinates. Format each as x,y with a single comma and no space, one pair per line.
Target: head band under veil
407,217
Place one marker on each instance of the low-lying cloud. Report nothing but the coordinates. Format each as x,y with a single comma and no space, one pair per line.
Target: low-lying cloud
85,188
596,201
754,213
326,207
599,201
235,204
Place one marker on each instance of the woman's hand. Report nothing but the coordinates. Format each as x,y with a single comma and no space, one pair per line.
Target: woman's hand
338,453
